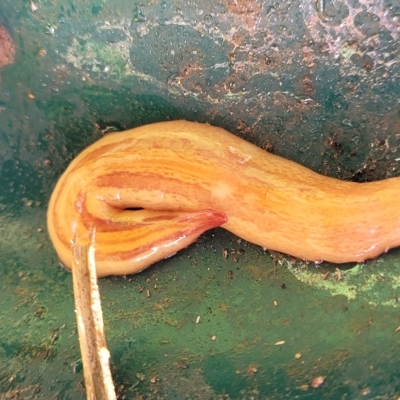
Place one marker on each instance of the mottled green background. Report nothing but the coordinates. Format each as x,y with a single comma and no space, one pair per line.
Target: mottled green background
317,82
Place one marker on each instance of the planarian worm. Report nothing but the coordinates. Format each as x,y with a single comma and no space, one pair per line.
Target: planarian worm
151,191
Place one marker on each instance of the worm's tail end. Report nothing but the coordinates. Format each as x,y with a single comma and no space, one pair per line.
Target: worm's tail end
135,239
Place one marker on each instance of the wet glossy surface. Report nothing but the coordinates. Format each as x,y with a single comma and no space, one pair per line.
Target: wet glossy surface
190,177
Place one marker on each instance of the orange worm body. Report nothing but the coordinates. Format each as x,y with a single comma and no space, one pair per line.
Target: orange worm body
187,177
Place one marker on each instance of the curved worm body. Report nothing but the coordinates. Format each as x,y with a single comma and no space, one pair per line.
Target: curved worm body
151,191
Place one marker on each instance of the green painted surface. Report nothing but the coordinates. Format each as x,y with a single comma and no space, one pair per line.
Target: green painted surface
318,84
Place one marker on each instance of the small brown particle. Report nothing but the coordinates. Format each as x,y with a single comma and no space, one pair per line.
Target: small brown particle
40,311
325,276
303,387
317,382
365,391
339,275
182,364
7,48
252,369
148,293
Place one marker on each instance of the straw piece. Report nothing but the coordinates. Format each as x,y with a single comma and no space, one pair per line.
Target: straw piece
89,316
